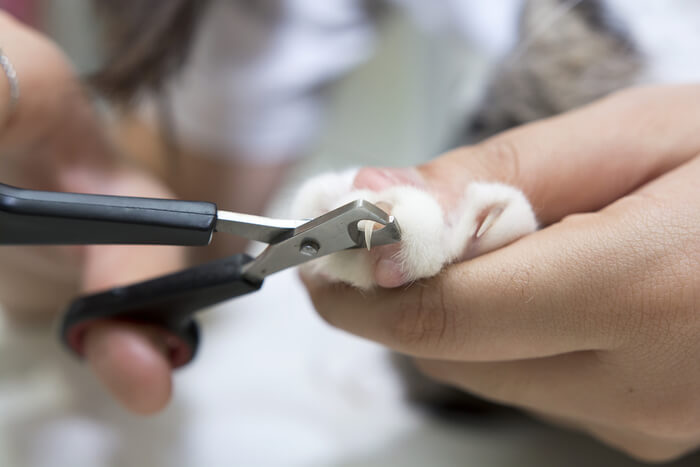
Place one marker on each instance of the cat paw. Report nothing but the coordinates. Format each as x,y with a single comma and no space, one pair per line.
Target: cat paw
486,217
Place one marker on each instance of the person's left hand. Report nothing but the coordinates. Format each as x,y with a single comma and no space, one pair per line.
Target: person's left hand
593,321
54,140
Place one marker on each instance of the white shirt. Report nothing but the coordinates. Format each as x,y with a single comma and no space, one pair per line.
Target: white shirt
253,88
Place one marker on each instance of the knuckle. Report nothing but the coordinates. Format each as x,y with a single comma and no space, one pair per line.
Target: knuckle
422,321
500,157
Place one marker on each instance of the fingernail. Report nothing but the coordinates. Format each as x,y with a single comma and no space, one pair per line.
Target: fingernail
377,179
373,179
387,273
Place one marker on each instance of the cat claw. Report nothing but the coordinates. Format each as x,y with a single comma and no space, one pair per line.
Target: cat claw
489,220
368,227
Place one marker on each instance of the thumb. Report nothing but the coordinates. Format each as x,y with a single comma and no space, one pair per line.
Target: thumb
130,360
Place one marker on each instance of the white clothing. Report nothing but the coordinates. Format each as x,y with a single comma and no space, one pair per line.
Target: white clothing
253,88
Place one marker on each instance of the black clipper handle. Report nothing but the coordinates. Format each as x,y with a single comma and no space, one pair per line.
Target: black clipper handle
167,302
53,218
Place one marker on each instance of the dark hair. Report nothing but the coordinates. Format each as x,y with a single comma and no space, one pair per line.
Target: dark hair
145,42
148,41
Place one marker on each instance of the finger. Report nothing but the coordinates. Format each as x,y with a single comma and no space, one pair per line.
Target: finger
577,389
380,178
583,160
641,446
581,284
131,361
517,302
577,162
546,385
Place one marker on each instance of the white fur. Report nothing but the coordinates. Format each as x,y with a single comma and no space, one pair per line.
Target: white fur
430,239
515,220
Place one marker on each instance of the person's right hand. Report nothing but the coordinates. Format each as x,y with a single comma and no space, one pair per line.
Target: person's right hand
591,322
53,141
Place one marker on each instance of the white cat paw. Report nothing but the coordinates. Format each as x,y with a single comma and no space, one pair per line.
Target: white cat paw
488,216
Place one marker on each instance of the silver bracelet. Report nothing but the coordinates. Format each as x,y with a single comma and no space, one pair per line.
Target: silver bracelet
9,70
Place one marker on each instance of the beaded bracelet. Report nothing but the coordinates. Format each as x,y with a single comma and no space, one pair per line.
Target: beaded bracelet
9,71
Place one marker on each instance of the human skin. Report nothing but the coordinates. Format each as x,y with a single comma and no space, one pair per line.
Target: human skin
594,320
54,141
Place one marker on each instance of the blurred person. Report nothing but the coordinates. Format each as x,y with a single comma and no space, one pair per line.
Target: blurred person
244,81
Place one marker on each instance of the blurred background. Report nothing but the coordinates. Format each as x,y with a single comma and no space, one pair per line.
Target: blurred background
274,385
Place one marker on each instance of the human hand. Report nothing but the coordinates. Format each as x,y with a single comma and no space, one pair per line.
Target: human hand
592,321
54,141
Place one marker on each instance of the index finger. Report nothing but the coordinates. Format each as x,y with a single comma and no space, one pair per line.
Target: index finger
585,159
